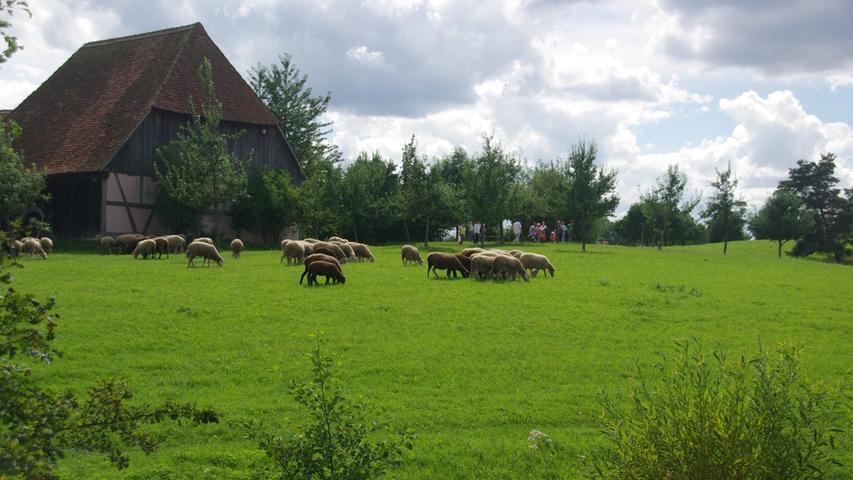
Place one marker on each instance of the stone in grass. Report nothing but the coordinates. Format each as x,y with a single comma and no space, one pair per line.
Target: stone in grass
538,440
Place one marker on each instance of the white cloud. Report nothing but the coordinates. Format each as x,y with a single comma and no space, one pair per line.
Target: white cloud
839,81
368,57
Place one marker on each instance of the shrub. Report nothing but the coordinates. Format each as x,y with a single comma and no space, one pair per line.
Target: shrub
338,442
712,418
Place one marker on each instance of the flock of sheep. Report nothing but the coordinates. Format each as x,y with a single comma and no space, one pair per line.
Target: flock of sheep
323,259
30,246
145,247
482,264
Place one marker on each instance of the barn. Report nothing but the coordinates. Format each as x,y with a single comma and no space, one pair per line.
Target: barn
94,125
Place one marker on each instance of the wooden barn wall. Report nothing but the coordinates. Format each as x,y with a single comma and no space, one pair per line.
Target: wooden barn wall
74,209
136,156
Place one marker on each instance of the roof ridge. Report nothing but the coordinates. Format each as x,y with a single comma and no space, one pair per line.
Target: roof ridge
138,36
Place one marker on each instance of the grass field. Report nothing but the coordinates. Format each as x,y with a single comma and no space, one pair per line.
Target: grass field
471,366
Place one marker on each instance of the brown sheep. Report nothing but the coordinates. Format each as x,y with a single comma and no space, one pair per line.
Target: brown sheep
317,257
470,252
162,246
294,251
309,247
126,243
465,261
325,269
106,244
236,247
410,254
444,261
510,267
204,250
330,249
362,251
482,265
146,247
46,244
347,249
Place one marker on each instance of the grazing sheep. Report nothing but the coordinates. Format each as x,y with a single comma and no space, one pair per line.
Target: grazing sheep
348,251
207,240
177,243
535,262
470,252
324,269
317,257
236,247
283,246
330,249
410,254
146,248
482,265
516,253
126,243
445,261
310,240
17,248
162,246
32,246
510,267
361,251
294,251
204,250
500,251
106,244
465,261
338,239
309,247
46,244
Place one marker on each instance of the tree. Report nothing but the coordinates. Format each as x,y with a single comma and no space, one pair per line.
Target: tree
632,226
38,425
726,214
450,170
423,196
816,185
783,217
543,193
8,7
668,215
300,114
272,203
197,173
320,197
20,187
591,195
489,182
367,191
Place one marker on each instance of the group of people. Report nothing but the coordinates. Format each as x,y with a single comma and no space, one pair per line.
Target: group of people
540,232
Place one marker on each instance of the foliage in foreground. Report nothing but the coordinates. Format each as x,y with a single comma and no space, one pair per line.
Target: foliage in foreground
340,442
712,418
39,426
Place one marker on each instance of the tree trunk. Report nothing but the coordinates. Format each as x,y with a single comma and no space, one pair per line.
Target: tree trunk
583,245
426,234
780,248
406,229
501,232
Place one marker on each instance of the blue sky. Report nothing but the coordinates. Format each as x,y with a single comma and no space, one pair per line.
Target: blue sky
698,83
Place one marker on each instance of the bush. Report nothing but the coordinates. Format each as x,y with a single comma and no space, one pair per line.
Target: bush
712,418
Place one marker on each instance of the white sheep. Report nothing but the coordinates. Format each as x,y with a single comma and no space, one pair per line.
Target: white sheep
338,239
294,251
106,244
146,248
347,249
310,240
510,267
362,251
176,243
535,262
17,248
236,247
46,244
206,240
410,254
482,265
204,250
32,246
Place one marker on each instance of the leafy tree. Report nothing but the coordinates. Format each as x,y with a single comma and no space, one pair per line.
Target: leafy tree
197,172
423,196
489,181
38,426
632,226
816,185
339,441
591,195
8,7
543,194
300,114
726,214
20,187
668,214
450,170
367,191
320,197
272,203
783,217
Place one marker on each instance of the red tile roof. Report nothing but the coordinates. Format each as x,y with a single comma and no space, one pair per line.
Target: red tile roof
79,117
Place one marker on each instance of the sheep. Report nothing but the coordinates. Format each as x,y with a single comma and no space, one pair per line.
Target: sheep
330,249
325,269
310,240
516,253
409,253
337,239
318,257
207,240
309,247
177,243
482,264
348,251
46,244
294,251
500,251
361,251
204,250
162,246
33,247
535,262
145,248
283,246
236,247
17,248
510,267
444,261
106,244
470,252
127,242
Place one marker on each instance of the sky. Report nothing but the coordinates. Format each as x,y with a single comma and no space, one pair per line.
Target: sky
697,83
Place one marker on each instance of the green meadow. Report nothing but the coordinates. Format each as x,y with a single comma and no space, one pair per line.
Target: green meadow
470,366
